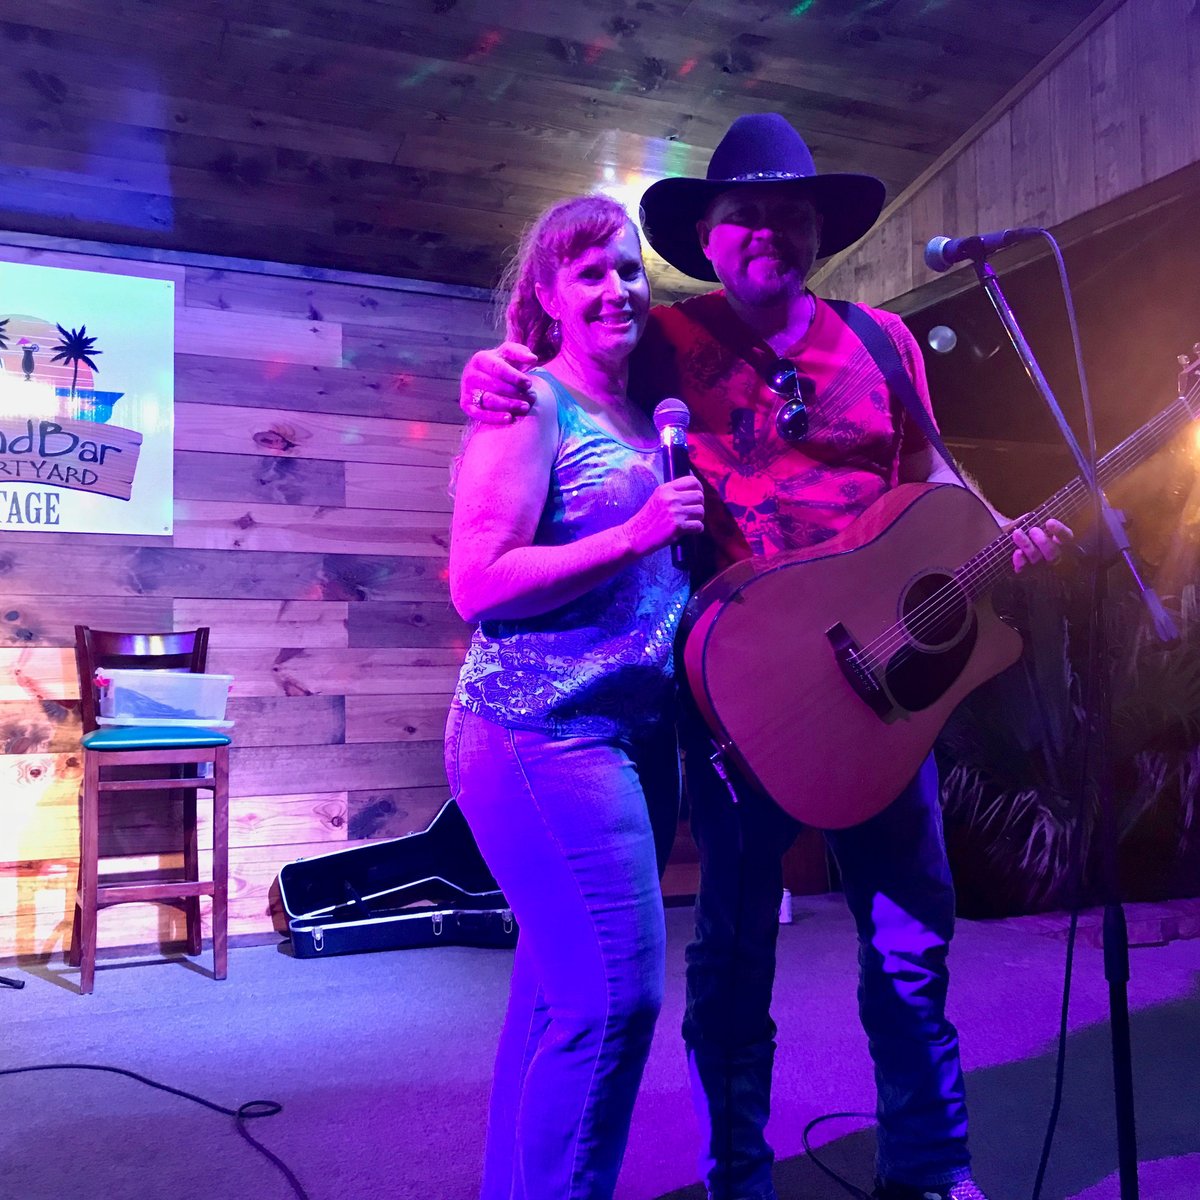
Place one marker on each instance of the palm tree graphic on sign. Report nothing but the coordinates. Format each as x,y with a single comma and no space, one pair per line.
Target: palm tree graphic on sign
74,348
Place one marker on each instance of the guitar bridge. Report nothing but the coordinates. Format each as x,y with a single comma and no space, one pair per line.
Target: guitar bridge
846,651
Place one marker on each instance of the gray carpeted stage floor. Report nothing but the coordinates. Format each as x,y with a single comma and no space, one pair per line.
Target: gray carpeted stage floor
382,1063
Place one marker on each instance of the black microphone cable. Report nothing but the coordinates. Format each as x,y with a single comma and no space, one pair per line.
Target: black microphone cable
250,1111
840,1180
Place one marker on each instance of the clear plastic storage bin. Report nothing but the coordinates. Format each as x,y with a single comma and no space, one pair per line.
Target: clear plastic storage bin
130,697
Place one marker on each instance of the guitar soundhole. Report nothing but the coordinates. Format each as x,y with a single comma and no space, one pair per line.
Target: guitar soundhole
935,614
941,628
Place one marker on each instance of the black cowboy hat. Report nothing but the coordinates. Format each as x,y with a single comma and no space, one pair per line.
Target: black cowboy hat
758,148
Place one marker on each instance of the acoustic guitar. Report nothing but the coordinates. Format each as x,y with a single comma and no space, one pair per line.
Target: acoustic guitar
826,674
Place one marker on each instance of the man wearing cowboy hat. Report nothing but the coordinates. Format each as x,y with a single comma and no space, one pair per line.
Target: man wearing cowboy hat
794,432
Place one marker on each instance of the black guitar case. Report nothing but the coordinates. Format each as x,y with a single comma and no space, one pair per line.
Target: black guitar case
426,889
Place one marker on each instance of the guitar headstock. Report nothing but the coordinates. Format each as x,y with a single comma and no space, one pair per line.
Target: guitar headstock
1189,372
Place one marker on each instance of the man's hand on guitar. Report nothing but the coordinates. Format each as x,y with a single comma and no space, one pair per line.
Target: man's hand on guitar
1038,543
494,388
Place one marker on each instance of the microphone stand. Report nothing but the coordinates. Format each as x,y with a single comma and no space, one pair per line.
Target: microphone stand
1111,536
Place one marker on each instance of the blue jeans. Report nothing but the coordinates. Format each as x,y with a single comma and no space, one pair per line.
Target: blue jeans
565,826
897,884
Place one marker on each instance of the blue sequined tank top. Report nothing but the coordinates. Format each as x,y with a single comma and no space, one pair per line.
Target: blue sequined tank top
602,664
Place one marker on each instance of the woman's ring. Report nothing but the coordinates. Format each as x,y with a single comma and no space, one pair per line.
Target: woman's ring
477,397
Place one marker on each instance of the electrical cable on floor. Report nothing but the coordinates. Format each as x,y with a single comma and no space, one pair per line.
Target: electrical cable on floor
840,1180
251,1110
1060,1065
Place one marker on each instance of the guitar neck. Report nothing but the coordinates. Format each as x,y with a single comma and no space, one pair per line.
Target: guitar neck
994,561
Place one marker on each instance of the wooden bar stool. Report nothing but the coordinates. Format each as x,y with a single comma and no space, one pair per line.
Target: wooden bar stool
114,758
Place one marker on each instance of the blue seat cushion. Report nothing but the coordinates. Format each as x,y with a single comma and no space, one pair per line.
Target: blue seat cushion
153,737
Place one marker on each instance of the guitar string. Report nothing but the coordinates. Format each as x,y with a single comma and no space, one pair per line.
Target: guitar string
994,559
983,567
929,613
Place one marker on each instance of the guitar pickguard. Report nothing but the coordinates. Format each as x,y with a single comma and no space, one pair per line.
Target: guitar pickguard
917,678
935,637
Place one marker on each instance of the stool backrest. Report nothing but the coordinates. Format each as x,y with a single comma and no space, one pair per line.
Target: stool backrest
186,650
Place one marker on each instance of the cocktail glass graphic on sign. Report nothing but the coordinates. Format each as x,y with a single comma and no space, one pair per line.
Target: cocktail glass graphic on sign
84,448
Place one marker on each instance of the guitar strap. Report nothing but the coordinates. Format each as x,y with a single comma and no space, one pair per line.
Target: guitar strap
881,348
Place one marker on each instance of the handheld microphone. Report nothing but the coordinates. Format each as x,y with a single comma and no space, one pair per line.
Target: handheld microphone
942,253
671,419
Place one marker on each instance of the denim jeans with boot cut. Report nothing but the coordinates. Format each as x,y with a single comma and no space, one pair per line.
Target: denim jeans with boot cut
897,884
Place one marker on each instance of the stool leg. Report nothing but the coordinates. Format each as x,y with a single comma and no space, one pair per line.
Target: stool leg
84,951
220,902
76,934
191,872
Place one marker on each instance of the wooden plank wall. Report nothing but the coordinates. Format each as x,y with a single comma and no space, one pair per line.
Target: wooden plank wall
315,421
1119,109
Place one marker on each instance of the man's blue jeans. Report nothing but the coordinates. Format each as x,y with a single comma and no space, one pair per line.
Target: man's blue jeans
897,883
567,826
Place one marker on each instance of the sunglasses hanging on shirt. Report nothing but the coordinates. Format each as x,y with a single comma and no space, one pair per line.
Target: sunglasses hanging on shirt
791,421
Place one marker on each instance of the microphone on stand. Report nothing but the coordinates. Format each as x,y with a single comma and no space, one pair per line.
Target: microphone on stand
942,253
671,419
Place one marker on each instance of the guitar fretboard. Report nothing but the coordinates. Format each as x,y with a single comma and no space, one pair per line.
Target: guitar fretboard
994,561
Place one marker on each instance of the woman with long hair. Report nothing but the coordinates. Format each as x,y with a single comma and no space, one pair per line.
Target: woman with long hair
560,746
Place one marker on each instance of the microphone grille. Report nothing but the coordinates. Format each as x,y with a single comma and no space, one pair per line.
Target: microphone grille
935,250
671,412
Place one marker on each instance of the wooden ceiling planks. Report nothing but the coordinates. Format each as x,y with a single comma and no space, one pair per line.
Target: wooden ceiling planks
417,137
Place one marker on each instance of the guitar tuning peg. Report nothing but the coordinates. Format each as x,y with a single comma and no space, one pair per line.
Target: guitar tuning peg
1182,360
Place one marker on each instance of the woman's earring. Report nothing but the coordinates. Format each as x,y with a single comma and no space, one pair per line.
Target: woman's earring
555,330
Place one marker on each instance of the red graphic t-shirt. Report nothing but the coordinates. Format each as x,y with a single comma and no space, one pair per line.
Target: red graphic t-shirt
766,495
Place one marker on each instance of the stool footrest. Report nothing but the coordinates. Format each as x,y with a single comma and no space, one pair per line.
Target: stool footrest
154,785
176,889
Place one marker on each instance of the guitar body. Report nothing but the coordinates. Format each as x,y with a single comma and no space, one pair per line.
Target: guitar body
827,674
